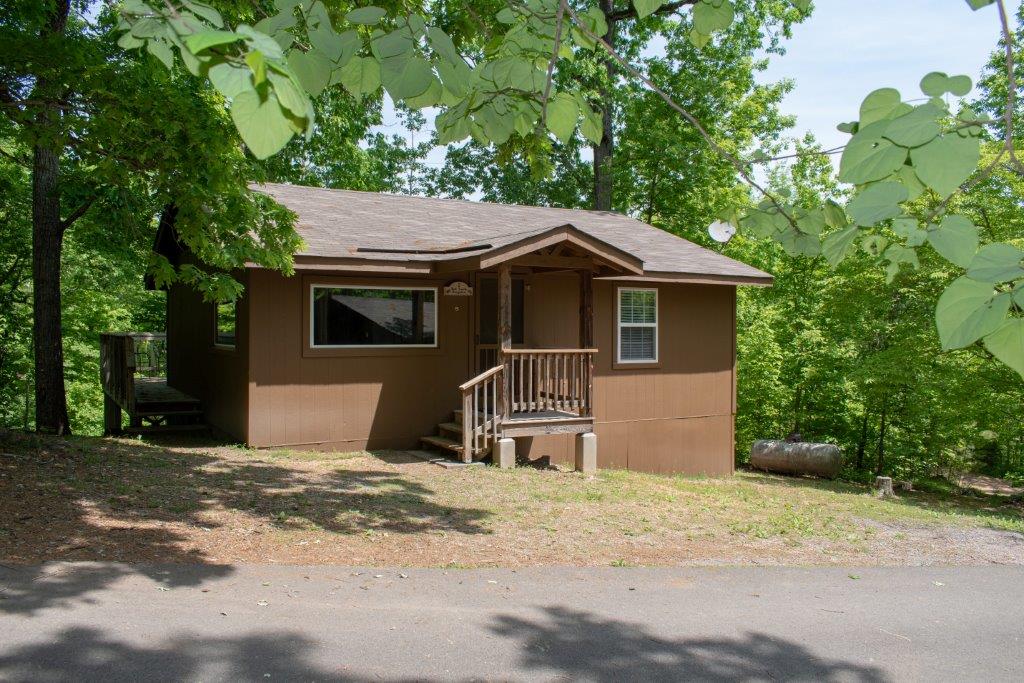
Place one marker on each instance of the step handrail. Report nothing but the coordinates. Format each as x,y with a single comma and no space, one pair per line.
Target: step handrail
483,411
481,377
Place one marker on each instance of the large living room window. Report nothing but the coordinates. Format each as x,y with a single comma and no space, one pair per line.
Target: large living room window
359,317
638,325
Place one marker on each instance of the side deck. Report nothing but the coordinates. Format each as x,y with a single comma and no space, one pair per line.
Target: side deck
133,375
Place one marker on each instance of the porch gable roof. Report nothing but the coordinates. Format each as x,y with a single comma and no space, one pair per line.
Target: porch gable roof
426,234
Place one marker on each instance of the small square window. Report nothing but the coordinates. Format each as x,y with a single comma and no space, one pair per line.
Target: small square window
638,325
225,324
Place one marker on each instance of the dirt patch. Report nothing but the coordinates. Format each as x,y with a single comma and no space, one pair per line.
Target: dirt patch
127,500
992,486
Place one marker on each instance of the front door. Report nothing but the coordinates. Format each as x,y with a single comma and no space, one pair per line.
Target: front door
487,318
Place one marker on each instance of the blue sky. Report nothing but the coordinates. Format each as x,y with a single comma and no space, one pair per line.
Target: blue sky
849,48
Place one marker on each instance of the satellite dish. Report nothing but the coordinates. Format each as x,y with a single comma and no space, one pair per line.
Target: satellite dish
721,231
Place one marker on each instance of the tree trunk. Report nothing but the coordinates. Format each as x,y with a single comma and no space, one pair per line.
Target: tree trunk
862,444
880,450
603,150
47,241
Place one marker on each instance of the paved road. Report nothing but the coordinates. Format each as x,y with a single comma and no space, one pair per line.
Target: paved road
119,622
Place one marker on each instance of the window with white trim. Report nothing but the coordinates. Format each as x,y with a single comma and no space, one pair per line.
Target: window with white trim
358,317
638,325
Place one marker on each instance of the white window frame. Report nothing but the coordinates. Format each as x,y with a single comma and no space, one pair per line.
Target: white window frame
619,325
312,312
216,326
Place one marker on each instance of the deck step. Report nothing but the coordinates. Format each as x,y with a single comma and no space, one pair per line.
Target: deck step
451,428
442,442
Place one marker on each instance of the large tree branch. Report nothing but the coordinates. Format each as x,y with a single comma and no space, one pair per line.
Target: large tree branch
630,11
77,213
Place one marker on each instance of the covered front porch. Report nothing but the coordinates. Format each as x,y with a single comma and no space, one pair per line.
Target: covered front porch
523,391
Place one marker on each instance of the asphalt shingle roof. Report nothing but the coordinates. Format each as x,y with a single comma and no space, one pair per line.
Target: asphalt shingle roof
354,224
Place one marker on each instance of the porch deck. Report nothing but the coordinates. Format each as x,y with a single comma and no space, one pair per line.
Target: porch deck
133,376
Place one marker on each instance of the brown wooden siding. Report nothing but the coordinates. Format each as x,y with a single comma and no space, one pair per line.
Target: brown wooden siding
348,398
674,417
216,376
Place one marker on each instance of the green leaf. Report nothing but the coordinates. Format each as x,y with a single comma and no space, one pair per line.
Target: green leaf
907,228
916,128
869,156
996,262
877,202
262,124
799,243
645,8
361,76
946,162
956,240
562,113
405,76
879,105
934,84
709,16
230,79
197,42
1018,294
811,222
313,69
937,84
162,51
978,4
260,41
914,186
837,245
967,311
443,45
593,125
431,96
699,39
835,215
1007,344
289,94
959,85
205,11
366,15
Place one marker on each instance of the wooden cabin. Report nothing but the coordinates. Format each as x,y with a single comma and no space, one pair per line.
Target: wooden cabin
455,325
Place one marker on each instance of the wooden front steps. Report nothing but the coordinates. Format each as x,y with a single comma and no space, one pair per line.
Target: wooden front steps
448,438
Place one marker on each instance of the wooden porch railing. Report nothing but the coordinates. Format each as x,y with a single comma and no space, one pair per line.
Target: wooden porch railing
542,380
127,355
529,381
481,411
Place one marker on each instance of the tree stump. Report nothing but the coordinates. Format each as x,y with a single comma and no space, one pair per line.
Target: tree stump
883,487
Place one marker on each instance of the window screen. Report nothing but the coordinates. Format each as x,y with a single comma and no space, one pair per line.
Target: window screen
225,323
366,316
638,325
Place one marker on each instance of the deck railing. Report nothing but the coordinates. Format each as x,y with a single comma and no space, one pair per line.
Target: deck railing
542,380
127,355
482,411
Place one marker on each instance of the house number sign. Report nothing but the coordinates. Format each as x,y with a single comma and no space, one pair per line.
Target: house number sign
458,289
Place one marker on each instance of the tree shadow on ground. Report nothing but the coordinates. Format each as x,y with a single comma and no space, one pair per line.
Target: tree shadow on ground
583,646
86,654
123,501
993,508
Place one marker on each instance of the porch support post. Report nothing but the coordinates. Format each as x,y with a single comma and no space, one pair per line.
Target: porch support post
111,416
587,336
504,329
586,453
